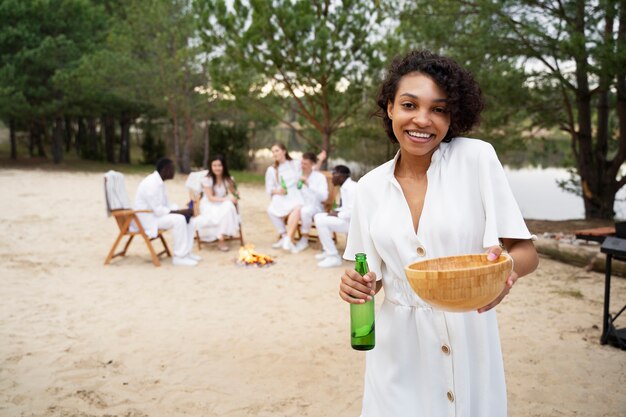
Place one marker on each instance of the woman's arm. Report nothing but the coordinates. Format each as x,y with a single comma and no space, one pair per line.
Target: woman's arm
525,261
210,195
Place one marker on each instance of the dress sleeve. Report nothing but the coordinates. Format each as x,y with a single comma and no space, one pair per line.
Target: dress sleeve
359,237
503,218
270,180
207,182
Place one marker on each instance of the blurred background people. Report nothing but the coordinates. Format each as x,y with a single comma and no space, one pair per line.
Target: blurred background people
314,188
152,196
338,220
218,206
281,184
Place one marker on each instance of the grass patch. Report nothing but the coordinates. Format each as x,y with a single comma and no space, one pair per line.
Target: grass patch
248,177
72,163
570,293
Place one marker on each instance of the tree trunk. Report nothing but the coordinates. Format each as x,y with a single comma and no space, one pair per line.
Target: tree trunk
58,137
36,142
42,136
31,140
108,123
125,122
81,137
589,164
68,133
92,147
13,139
186,159
326,147
207,142
176,136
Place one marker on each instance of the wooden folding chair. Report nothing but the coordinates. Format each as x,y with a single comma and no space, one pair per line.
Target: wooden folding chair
116,196
194,185
328,207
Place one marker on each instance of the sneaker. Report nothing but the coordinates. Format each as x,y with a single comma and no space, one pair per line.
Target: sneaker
288,245
193,257
301,245
331,261
321,256
183,261
279,243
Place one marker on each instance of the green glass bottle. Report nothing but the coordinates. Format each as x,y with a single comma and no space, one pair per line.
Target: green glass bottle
362,332
300,184
283,185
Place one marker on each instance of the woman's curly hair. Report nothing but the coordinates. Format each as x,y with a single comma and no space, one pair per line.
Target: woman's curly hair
465,100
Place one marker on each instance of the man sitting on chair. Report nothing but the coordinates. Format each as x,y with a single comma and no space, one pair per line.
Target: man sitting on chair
337,220
151,196
314,189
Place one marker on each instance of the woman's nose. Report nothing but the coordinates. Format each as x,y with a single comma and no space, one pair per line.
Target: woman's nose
422,118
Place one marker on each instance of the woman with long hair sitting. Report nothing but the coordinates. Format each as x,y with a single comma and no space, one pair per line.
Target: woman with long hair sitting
218,206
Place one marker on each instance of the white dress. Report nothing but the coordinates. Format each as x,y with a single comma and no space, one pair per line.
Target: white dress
290,171
428,362
217,218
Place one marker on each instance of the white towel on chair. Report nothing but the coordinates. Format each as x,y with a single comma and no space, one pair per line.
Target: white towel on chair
115,192
194,181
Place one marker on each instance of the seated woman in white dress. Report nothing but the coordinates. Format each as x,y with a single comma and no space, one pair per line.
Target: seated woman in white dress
218,206
281,181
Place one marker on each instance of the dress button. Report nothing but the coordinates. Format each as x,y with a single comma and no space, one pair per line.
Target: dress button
450,396
445,349
421,251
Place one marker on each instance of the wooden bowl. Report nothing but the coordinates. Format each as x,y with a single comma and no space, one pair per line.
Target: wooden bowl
459,283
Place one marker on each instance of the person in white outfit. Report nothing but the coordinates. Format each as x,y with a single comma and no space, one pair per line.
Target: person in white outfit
218,206
314,189
338,220
442,195
151,195
281,184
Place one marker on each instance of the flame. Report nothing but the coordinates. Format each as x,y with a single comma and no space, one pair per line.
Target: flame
247,256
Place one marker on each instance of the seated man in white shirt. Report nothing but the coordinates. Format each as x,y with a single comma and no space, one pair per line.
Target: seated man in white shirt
314,189
337,220
151,196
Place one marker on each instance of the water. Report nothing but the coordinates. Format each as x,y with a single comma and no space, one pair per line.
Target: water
540,197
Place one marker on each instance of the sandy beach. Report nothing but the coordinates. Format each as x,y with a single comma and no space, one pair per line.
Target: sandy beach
78,338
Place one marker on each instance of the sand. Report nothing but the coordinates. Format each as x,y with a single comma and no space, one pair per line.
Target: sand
78,338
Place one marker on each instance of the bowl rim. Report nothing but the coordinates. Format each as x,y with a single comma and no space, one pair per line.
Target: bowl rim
496,262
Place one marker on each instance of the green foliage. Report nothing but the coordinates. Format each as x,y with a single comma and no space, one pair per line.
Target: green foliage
152,146
39,40
230,141
319,54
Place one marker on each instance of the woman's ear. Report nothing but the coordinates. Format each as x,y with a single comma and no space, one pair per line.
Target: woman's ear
389,109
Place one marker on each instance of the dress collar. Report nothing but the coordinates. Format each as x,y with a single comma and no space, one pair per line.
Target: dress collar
440,154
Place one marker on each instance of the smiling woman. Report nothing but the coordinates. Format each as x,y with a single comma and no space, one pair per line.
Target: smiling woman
442,195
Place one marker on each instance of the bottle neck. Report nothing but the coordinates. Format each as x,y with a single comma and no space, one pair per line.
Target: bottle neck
361,266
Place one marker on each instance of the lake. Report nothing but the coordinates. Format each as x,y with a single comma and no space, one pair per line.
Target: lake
540,197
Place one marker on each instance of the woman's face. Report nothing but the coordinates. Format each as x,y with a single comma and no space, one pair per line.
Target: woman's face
278,154
419,114
217,168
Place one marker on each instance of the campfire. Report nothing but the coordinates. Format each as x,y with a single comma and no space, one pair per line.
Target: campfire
248,257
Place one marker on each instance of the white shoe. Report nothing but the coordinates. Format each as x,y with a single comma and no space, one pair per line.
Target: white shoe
183,261
288,245
331,261
193,257
321,256
279,243
301,245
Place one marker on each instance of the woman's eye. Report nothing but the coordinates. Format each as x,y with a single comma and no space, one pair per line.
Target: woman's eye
440,110
408,105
